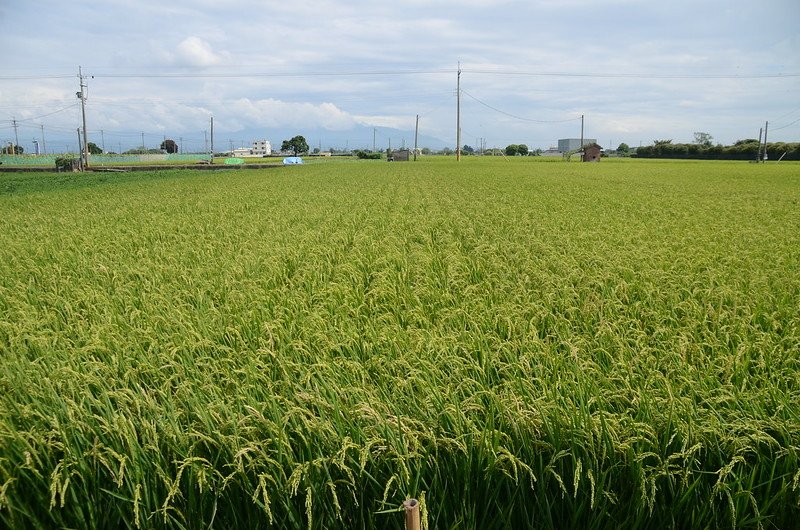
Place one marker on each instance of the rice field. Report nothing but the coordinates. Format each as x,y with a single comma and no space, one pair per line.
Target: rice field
518,344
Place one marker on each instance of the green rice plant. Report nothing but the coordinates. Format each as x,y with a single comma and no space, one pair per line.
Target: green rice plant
517,344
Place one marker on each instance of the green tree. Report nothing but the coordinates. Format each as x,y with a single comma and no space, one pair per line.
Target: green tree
467,149
169,146
512,150
93,149
297,145
623,148
522,150
704,139
12,149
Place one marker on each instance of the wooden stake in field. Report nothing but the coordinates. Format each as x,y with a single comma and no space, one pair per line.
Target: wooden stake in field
412,514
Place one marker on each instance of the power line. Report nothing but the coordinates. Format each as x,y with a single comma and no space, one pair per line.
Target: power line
600,75
787,113
189,75
612,75
50,113
785,126
25,77
515,116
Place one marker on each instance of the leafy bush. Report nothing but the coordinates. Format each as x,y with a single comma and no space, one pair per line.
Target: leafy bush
741,150
367,155
66,163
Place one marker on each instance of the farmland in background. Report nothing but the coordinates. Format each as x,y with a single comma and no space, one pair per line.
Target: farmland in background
517,343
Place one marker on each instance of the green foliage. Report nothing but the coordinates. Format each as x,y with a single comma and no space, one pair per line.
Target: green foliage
467,150
623,149
516,150
65,163
297,145
143,151
12,149
704,139
93,149
367,155
741,150
527,344
170,146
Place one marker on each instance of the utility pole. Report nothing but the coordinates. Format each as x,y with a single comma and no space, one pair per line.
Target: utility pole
758,152
416,138
205,141
103,140
373,139
458,114
79,148
180,145
212,139
581,132
44,147
16,138
143,148
766,128
82,95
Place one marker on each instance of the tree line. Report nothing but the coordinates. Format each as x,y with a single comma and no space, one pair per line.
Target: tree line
742,150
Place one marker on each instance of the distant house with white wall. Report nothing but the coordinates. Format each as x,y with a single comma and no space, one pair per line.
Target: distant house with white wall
260,148
553,151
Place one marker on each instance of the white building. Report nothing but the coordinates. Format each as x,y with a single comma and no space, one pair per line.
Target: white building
553,151
260,148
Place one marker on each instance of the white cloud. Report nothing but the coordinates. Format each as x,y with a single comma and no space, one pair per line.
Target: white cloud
273,113
197,52
251,39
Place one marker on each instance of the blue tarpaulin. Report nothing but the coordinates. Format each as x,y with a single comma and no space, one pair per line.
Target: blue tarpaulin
292,160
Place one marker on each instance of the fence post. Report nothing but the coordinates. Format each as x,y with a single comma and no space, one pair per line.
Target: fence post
412,514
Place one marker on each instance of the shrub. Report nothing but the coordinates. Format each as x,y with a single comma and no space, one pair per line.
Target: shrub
367,155
67,163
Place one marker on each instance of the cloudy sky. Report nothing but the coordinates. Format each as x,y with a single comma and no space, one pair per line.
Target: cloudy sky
333,70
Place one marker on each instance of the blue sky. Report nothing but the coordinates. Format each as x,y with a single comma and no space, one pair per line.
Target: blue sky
637,70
